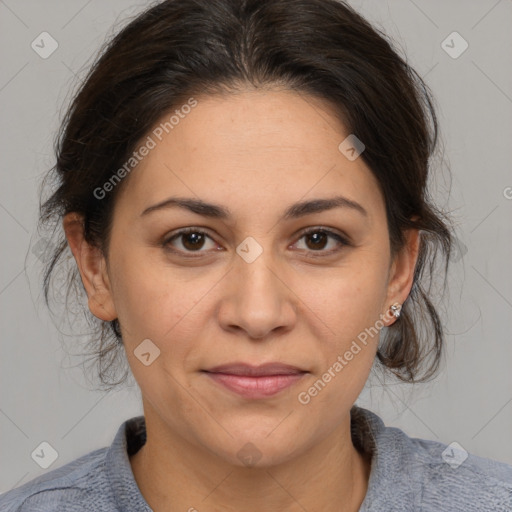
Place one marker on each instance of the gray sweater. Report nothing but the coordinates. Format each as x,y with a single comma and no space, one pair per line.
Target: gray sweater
407,474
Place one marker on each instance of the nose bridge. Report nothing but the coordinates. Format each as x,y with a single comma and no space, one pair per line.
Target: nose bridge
258,280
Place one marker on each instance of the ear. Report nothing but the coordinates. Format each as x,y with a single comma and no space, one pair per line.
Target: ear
92,266
401,274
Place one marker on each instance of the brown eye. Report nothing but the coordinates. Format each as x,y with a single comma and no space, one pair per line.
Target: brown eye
318,239
187,240
193,241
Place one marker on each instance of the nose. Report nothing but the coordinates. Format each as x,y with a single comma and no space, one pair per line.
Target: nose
257,299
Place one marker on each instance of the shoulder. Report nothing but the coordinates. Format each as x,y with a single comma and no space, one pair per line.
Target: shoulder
417,474
82,481
448,477
101,480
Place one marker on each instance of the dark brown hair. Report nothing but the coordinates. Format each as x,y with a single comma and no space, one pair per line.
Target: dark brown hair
178,49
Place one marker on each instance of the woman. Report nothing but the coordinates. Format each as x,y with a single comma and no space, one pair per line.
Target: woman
243,187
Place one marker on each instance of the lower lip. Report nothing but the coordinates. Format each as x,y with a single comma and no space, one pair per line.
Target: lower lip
256,387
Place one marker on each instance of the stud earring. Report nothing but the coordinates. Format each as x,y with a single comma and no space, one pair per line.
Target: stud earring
395,309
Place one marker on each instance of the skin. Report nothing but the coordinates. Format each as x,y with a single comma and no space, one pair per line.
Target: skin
237,151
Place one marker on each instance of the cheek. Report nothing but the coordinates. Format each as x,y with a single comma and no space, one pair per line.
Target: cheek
350,308
351,297
158,303
147,302
349,305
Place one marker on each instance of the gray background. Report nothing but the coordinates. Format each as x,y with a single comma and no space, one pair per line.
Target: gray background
43,399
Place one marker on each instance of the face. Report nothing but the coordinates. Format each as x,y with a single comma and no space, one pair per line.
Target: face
255,286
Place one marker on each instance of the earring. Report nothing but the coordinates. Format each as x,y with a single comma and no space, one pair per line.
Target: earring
395,309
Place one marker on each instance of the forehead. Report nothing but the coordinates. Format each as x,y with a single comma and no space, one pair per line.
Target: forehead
252,147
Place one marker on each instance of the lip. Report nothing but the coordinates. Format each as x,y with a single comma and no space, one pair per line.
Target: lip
261,370
256,382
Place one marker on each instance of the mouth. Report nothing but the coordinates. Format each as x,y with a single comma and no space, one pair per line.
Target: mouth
256,382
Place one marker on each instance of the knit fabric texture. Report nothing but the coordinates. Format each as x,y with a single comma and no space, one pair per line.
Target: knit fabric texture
407,475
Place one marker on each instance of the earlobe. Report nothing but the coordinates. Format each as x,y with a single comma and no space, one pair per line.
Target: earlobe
92,267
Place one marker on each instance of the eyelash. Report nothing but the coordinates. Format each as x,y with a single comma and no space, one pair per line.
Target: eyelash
314,254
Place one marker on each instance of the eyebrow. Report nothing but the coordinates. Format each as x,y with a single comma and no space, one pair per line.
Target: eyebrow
294,211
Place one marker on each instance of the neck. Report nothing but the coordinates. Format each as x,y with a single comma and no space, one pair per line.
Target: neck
173,474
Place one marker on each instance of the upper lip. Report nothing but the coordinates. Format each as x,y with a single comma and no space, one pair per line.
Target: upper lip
256,371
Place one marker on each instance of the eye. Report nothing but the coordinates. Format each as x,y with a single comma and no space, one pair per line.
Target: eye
318,238
192,240
189,240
